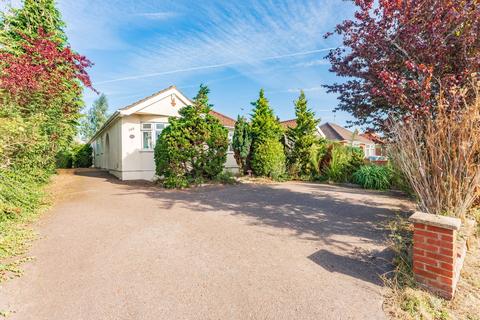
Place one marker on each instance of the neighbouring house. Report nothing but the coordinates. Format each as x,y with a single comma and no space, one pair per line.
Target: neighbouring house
334,132
124,144
380,145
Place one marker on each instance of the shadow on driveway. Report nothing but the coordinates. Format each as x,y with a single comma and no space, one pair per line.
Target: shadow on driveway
347,223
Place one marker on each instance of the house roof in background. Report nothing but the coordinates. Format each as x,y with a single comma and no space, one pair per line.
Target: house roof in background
373,137
226,121
292,123
333,131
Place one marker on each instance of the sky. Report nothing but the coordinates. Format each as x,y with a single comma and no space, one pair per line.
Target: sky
234,47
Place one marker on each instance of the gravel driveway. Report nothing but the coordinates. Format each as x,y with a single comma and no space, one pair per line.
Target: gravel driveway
114,250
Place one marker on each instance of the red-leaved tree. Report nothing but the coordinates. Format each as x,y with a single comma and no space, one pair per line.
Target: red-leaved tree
43,69
40,100
398,54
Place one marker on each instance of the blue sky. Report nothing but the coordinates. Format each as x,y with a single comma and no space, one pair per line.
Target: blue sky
235,47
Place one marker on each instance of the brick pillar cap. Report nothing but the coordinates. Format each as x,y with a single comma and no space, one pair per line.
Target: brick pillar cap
436,220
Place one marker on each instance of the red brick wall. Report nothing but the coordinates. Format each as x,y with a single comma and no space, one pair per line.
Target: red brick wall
434,257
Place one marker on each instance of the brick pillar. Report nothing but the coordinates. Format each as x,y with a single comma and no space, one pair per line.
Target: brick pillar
435,263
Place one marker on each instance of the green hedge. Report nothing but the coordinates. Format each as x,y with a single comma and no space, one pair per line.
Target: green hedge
76,156
82,156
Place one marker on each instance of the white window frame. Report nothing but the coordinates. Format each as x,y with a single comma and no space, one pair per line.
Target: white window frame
152,128
369,150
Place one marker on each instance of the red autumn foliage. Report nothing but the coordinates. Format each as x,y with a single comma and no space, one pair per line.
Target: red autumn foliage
398,54
42,68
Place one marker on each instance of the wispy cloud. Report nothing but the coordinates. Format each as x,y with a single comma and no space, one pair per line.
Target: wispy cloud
297,90
101,25
311,89
157,15
312,63
240,33
214,66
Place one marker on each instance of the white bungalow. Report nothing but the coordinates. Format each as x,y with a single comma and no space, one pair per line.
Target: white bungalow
124,144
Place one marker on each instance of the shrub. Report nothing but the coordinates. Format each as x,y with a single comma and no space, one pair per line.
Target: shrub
439,154
82,156
172,182
269,159
75,156
193,147
357,158
226,177
373,177
340,162
268,155
64,159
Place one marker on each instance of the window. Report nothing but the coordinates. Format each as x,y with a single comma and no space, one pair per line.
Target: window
99,146
150,134
369,150
147,140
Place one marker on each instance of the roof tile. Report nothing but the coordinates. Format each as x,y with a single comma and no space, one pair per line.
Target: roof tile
333,131
224,120
289,123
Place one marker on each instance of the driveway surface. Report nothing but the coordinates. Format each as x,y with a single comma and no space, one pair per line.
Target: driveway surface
114,250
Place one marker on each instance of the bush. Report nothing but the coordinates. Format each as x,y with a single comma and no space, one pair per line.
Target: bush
374,177
226,177
82,156
269,159
76,156
340,162
268,154
193,148
439,155
172,182
64,159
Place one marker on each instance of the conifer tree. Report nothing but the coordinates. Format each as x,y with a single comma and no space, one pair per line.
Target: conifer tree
33,17
301,159
242,143
268,156
264,123
193,147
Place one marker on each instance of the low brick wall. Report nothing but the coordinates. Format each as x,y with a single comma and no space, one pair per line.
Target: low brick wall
437,254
